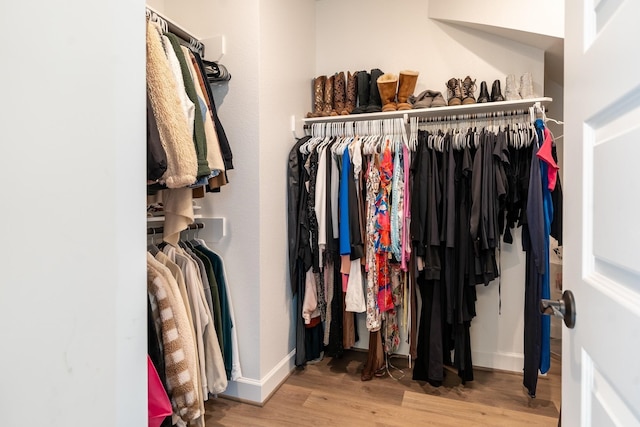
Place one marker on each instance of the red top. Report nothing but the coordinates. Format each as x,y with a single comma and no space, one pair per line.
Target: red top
544,153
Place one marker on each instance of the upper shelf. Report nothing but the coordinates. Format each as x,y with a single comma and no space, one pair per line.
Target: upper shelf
487,107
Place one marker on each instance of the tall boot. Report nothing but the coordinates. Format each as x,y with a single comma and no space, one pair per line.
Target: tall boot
496,92
526,86
338,94
352,92
328,97
318,96
363,92
406,86
387,85
484,93
511,90
453,91
468,87
375,104
375,357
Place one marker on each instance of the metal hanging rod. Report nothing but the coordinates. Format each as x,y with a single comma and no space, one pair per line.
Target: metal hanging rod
159,230
171,27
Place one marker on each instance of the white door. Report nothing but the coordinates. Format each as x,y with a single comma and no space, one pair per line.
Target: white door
601,356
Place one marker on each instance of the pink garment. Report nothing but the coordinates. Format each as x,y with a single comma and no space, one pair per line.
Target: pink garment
544,154
345,282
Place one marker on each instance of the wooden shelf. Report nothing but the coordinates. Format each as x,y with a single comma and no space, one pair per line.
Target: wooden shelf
449,111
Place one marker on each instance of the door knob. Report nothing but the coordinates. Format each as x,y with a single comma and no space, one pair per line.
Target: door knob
564,308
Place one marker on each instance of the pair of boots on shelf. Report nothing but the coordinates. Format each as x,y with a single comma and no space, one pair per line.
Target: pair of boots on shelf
395,91
523,90
461,92
368,95
513,92
331,97
496,93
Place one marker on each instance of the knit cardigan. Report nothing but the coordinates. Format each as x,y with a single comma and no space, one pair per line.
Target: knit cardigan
182,164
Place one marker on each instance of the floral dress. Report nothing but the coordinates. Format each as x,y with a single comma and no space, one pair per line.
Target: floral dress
383,229
373,183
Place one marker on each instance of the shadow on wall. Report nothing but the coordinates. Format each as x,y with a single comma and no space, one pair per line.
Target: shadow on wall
486,48
220,91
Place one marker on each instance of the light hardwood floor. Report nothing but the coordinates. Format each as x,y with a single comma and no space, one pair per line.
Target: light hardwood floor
331,393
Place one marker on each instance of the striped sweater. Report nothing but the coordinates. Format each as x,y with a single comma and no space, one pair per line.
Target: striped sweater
179,366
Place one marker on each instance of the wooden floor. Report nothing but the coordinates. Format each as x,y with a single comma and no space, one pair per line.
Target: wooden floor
331,393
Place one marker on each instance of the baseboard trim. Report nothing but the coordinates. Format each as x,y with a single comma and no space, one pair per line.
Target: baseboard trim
510,362
257,392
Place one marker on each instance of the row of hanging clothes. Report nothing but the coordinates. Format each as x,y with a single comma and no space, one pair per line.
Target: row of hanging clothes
188,153
384,220
192,341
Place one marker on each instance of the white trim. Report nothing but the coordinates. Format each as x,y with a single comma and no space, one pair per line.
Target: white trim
258,391
513,362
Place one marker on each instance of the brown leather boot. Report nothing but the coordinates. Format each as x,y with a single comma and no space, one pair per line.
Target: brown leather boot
352,93
453,91
387,85
406,86
338,94
328,97
318,96
468,86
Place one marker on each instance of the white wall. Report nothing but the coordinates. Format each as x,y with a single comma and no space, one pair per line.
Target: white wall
363,35
73,287
544,17
238,202
287,37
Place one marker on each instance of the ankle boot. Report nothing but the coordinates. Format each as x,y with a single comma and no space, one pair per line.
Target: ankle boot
318,96
328,97
468,87
484,93
511,90
496,92
338,93
406,86
352,92
526,86
387,85
453,91
363,85
375,104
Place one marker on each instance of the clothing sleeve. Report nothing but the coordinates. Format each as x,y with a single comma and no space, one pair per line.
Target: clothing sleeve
156,156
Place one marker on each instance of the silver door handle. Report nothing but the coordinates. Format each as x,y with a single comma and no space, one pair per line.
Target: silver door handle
564,308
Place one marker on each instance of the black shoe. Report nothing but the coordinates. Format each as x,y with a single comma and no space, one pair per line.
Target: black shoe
484,93
496,93
363,92
375,103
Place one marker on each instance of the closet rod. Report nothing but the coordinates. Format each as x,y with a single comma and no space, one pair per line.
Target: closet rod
174,28
484,108
474,116
159,230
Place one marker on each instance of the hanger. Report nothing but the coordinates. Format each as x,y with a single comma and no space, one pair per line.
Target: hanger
152,248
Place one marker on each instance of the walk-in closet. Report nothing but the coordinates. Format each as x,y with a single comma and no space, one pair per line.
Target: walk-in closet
376,213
